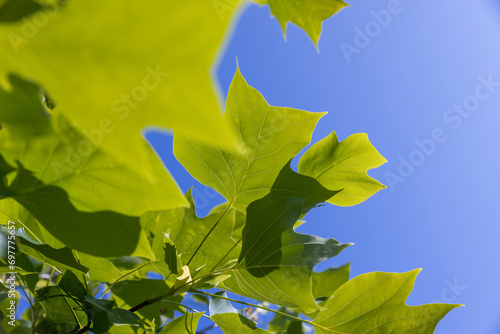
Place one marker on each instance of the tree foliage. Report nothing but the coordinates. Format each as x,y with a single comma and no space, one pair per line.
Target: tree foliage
105,242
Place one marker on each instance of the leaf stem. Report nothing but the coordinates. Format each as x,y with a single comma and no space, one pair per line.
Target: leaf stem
125,275
208,234
225,255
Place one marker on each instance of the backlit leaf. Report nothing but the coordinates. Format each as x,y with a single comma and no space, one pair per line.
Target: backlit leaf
375,303
343,165
309,15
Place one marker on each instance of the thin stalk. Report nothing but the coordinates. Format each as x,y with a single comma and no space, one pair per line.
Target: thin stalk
125,275
24,292
208,234
50,278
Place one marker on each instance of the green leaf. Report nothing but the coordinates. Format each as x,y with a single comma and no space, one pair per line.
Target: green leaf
130,293
60,155
375,302
275,262
65,314
270,137
309,15
187,231
103,233
343,165
291,196
327,282
132,70
73,286
231,323
281,322
100,269
62,258
22,109
14,10
115,316
185,324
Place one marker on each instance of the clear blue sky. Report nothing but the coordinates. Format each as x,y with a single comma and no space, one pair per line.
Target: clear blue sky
399,89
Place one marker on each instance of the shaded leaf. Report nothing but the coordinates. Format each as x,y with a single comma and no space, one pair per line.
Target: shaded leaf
115,316
220,306
275,263
14,10
65,314
130,293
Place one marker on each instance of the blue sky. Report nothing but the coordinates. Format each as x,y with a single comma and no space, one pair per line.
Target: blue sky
404,85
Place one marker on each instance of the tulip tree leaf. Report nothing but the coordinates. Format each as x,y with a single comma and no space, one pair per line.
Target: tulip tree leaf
13,10
120,64
90,232
275,262
375,302
309,15
58,154
185,324
327,282
65,314
343,165
187,231
232,323
270,137
115,316
291,196
130,293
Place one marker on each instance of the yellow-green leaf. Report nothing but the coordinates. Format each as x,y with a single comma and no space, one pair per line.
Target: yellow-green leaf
114,68
307,14
376,303
344,165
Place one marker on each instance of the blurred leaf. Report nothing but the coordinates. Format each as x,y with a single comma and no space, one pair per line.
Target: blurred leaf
103,233
57,153
127,66
14,10
309,15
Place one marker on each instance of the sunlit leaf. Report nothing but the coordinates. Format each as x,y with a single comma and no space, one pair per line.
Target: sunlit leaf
123,65
343,165
185,324
309,15
270,136
376,303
